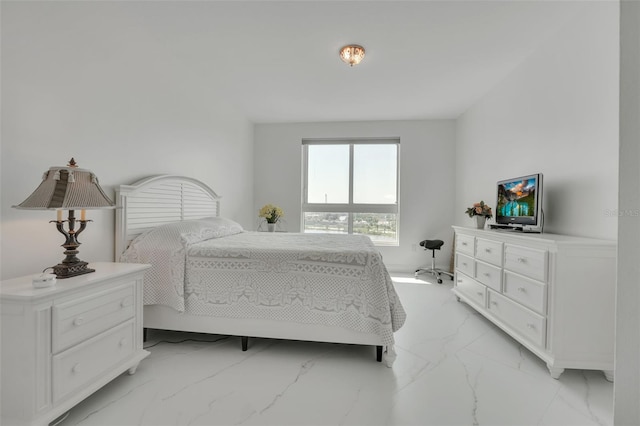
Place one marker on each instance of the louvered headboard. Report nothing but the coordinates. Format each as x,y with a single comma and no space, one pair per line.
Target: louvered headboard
158,200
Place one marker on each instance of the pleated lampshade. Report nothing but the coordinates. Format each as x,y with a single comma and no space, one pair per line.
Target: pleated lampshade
67,188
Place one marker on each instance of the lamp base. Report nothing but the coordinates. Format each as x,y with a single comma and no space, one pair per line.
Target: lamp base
63,270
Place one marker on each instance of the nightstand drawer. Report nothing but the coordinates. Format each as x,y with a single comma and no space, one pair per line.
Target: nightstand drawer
79,319
76,367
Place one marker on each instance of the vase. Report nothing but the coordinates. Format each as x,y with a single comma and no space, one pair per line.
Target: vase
271,227
480,220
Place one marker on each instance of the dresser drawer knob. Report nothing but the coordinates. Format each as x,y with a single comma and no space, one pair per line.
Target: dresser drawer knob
459,280
464,263
522,260
487,250
78,321
464,244
123,342
494,303
531,326
480,293
486,274
125,302
522,290
76,368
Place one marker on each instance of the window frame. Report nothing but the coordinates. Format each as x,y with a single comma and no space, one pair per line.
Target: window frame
350,207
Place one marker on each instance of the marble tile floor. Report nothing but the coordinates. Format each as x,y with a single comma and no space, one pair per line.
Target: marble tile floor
453,368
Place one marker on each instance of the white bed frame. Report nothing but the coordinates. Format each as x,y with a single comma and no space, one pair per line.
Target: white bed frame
162,199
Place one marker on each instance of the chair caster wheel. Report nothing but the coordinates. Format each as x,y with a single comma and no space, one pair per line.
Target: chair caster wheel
439,281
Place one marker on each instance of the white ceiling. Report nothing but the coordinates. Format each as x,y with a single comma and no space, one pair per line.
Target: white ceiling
278,61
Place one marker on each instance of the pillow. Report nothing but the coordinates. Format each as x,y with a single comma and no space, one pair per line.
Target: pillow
208,228
177,234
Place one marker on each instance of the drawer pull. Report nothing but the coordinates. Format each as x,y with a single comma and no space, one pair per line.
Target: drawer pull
486,274
125,302
464,244
76,368
494,303
459,281
522,290
522,260
78,321
479,293
123,342
531,326
464,263
488,250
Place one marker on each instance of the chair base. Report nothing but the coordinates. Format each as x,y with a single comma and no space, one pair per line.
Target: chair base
435,272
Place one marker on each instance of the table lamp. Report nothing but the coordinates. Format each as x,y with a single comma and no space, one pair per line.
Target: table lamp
69,188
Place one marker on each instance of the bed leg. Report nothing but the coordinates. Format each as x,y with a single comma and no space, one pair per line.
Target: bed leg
245,342
144,334
379,353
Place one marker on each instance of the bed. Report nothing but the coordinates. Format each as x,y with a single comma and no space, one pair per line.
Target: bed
209,275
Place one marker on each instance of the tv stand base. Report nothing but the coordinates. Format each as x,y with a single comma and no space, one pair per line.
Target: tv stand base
524,229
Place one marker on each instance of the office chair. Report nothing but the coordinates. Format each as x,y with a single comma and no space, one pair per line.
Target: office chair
433,245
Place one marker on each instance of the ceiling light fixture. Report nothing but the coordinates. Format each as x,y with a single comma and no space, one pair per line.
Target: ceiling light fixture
352,54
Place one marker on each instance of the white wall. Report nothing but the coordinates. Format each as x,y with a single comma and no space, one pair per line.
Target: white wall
557,113
627,375
79,80
426,178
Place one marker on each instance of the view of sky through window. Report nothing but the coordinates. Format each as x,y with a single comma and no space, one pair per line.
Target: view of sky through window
374,174
328,174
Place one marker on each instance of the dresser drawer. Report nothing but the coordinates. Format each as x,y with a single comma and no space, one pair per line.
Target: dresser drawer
79,319
76,367
526,261
472,289
532,294
489,275
465,244
465,264
527,323
489,251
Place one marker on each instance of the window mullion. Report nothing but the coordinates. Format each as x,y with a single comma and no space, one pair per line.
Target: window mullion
350,216
305,177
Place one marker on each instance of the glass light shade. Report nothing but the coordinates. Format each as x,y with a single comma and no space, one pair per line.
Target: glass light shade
352,54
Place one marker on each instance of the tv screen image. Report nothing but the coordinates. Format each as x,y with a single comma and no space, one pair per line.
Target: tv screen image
519,201
517,198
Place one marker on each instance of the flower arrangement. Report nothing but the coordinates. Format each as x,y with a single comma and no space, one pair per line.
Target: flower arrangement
271,213
479,209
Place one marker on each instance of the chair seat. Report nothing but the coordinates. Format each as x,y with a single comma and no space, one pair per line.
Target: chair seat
431,244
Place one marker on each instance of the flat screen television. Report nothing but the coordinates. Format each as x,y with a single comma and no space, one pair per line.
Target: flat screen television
519,204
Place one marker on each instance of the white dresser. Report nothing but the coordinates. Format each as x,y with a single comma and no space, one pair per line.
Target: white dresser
62,343
555,294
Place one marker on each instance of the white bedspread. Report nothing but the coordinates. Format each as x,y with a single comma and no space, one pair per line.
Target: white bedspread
337,280
211,267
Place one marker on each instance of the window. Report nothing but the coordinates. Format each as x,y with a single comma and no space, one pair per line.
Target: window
351,187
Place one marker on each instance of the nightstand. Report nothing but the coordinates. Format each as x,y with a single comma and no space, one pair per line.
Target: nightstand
62,343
